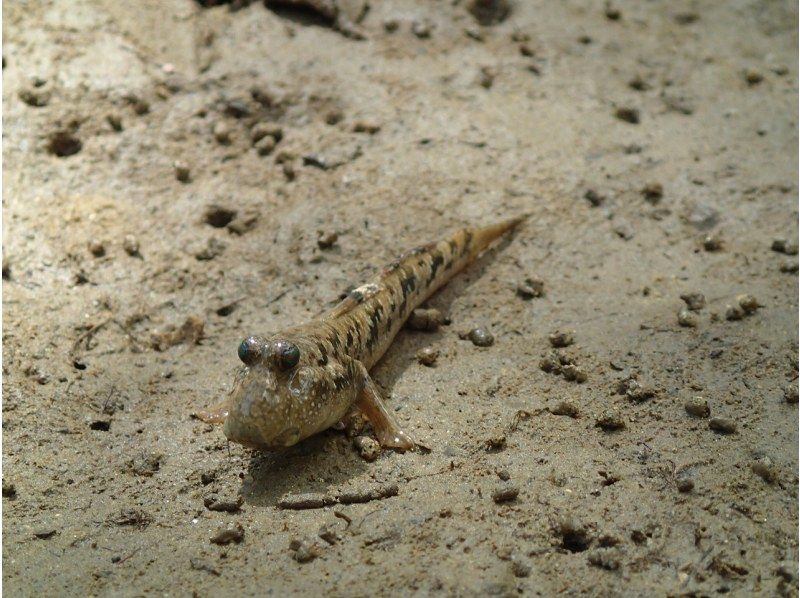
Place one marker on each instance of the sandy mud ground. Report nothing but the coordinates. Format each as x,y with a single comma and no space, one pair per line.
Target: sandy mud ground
174,178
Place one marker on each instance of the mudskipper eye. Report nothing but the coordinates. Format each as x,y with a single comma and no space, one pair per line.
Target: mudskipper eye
249,350
288,355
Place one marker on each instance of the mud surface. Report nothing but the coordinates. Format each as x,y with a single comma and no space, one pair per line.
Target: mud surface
168,169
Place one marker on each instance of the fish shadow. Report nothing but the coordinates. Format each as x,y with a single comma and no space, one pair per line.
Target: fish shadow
328,460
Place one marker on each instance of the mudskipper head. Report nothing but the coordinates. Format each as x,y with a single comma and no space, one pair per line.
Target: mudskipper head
266,407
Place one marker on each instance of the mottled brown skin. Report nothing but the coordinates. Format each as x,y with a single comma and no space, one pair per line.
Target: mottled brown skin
309,377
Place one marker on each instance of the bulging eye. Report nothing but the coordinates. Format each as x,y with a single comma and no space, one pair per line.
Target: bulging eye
288,355
249,350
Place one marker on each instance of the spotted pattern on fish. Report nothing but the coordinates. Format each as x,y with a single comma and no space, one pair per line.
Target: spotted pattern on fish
304,379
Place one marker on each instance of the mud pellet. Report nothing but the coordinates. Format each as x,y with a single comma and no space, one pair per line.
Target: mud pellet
427,320
748,303
481,337
698,407
687,319
610,420
182,171
561,339
734,313
307,500
530,288
505,493
765,469
790,394
694,301
368,448
427,356
230,534
723,425
130,245
684,484
97,248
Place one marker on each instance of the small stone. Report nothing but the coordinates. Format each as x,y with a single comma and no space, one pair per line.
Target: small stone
45,533
369,128
230,534
520,568
427,320
765,469
530,288
182,172
790,394
265,145
550,364
789,267
594,198
304,551
427,356
503,475
610,420
481,337
505,493
653,192
628,115
487,76
266,129
694,301
687,319
222,133
734,312
698,407
334,117
368,448
97,248
723,425
213,502
114,121
684,484
573,373
712,242
753,77
748,303
422,29
391,25
9,490
560,339
130,245
567,408
779,245
327,238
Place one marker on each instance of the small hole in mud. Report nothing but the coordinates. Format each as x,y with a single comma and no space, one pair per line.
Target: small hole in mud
573,537
63,144
226,310
101,425
219,217
79,365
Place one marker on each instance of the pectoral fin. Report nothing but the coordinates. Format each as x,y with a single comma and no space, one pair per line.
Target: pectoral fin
386,427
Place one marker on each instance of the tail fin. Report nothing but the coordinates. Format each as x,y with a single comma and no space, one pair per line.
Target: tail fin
483,237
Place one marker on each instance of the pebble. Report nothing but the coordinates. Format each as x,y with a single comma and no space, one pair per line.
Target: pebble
427,320
684,484
266,129
97,248
505,493
560,339
765,469
753,77
481,337
723,425
222,133
550,364
628,115
712,242
783,246
391,25
687,319
130,245
610,420
653,192
265,145
327,239
45,533
213,502
694,301
36,97
748,303
427,356
567,408
9,490
789,267
697,407
489,12
530,288
573,373
366,127
304,551
734,312
230,534
368,448
182,172
594,198
422,29
790,394
487,76
520,568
